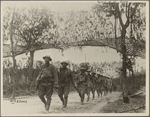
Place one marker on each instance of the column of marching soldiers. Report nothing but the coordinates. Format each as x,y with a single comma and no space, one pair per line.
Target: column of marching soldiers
85,81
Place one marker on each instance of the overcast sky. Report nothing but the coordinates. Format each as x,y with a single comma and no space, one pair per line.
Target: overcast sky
88,54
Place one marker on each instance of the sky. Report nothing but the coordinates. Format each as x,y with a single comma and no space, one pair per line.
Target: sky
87,54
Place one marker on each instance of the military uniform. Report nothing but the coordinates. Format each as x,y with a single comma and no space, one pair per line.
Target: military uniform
109,84
100,85
104,81
45,83
83,85
65,77
93,84
97,83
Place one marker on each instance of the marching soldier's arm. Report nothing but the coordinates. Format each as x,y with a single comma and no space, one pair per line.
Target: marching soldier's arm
58,73
55,75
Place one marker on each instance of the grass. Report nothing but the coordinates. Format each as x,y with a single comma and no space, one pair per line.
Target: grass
135,105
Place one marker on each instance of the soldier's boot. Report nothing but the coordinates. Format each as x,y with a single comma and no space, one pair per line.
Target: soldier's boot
65,102
88,96
101,93
82,99
48,104
93,94
62,99
80,96
43,99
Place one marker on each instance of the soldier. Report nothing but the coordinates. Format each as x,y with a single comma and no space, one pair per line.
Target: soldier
65,76
93,81
83,83
45,82
90,84
105,82
109,84
100,86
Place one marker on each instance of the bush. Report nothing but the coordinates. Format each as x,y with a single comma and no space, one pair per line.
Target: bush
140,81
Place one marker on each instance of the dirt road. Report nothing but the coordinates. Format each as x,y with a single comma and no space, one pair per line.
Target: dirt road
32,105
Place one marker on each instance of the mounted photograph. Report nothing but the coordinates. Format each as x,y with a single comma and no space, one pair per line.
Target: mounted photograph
75,58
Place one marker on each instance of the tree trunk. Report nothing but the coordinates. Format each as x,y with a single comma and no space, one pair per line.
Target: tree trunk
13,57
116,34
32,58
133,80
131,35
14,77
124,72
31,69
121,82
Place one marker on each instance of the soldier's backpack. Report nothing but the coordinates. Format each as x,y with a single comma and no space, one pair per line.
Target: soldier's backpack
81,78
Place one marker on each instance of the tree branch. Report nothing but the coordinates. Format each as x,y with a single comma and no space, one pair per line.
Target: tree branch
126,11
132,14
127,22
119,15
22,36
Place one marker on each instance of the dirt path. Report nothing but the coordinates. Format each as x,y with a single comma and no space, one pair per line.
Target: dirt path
33,105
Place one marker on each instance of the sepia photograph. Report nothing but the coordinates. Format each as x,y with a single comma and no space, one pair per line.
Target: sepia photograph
78,58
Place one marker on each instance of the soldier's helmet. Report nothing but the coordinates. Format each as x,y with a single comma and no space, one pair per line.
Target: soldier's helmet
65,62
50,59
83,66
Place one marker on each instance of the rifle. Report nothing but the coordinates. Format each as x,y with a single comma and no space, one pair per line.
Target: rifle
38,80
